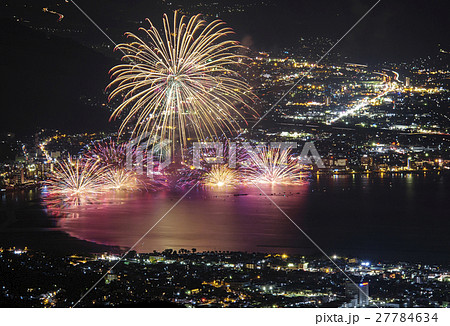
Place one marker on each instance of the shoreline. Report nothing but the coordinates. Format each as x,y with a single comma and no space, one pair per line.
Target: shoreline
378,172
328,172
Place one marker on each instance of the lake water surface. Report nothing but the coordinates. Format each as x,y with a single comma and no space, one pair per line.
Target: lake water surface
372,217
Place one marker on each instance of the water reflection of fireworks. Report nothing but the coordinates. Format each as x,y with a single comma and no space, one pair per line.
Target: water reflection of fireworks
101,174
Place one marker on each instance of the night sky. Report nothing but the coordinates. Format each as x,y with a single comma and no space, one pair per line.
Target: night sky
46,76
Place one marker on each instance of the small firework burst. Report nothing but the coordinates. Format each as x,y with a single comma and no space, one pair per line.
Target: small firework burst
275,166
108,153
120,179
221,176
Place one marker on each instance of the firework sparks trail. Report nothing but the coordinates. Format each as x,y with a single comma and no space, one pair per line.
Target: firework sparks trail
209,167
275,166
79,183
60,16
72,184
73,178
180,83
221,175
120,179
109,154
121,164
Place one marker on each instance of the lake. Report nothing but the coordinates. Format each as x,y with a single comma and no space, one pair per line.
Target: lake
403,217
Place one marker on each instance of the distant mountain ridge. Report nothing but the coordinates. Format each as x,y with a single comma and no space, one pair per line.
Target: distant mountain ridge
45,78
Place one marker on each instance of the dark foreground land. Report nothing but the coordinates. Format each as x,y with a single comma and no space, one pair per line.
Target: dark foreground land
186,278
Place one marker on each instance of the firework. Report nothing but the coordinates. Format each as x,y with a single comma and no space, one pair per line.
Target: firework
274,165
120,179
72,184
221,175
180,83
76,178
108,154
125,166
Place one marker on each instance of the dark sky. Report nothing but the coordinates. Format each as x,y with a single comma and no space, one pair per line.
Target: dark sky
394,30
46,75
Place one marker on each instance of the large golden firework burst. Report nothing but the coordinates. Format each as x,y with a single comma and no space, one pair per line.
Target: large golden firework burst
180,83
